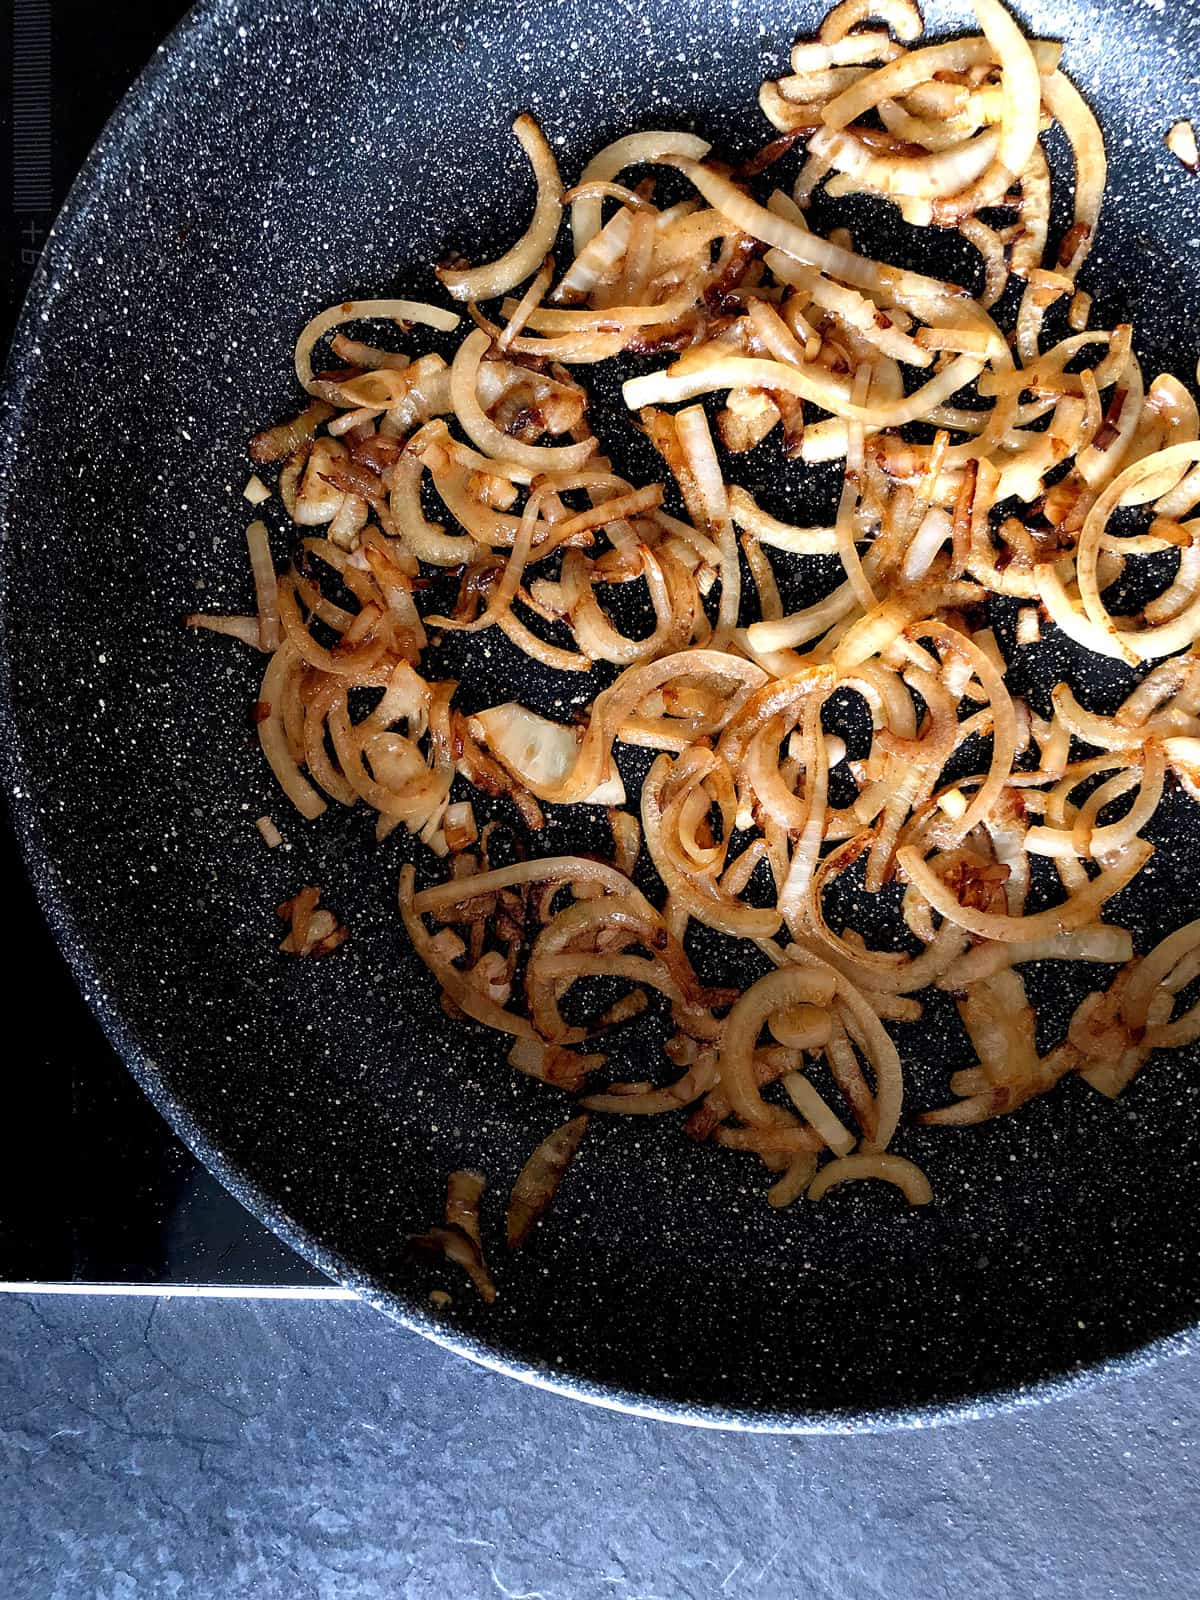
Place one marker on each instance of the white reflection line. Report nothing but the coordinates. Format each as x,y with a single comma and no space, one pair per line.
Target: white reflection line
190,1291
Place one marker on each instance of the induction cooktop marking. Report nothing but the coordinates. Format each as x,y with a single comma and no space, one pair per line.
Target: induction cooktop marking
32,185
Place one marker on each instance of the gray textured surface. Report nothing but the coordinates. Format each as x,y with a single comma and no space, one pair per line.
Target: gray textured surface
226,1449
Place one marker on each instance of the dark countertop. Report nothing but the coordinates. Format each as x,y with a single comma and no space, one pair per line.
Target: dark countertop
262,1449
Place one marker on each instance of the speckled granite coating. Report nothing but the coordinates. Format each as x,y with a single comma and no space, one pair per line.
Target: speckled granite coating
291,1452
276,158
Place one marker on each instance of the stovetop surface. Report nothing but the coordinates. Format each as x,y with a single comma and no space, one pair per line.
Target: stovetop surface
94,1187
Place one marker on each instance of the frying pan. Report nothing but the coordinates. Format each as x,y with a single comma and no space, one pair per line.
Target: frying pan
273,159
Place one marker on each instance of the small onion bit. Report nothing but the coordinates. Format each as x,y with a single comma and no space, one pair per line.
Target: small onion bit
1181,142
538,1180
312,930
460,1238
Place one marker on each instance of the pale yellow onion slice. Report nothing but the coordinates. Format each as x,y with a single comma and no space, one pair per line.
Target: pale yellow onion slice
1180,140
912,290
818,1114
486,526
1004,731
850,306
426,394
1113,836
935,133
427,540
805,1028
528,253
1098,466
247,630
1047,584
614,705
860,1019
696,891
266,587
633,150
502,594
695,440
1153,971
815,384
996,265
1172,684
781,990
1029,248
806,844
1067,106
923,177
747,514
900,77
808,87
540,753
1174,1035
546,869
674,618
787,114
796,1177
1021,83
527,305
554,320
852,49
598,259
897,1170
398,311
901,16
1097,942
1131,644
799,627
273,737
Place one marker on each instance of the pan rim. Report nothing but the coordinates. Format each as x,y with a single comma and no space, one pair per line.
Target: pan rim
43,870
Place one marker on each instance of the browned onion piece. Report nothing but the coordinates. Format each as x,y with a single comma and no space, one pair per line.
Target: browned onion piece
1074,913
275,444
464,1189
456,1245
538,1180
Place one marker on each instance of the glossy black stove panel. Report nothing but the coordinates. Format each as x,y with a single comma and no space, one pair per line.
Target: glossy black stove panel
93,1186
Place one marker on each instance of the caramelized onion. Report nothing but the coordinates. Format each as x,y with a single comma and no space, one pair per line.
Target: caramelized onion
869,748
538,1180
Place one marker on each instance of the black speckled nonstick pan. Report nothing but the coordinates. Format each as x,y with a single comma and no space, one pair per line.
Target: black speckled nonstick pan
278,156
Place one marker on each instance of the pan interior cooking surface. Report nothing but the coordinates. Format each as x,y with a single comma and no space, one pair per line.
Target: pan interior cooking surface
267,166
